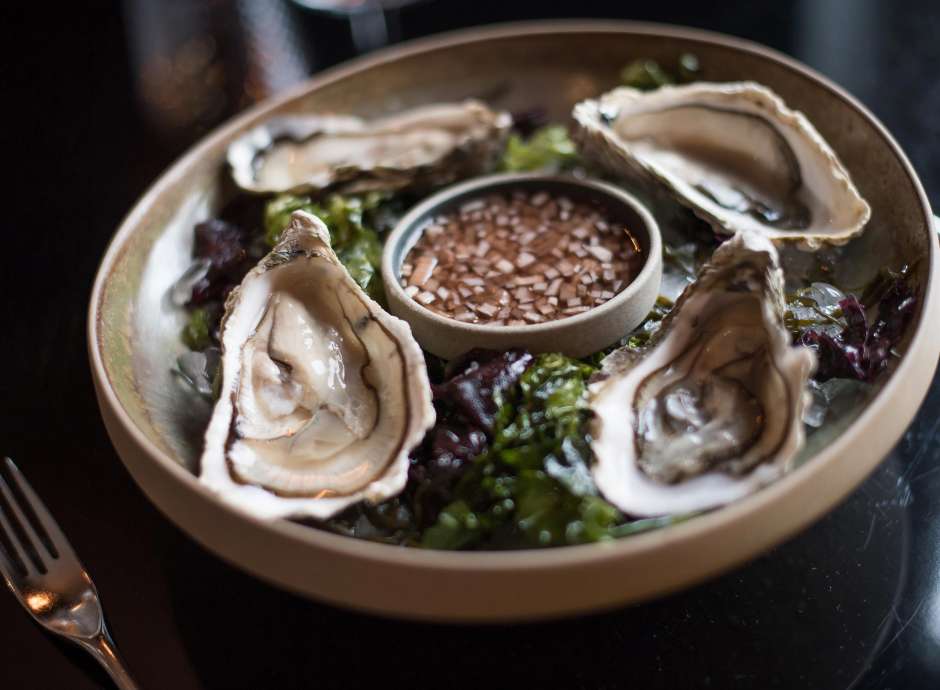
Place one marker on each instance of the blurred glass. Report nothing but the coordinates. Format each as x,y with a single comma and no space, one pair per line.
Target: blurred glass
372,23
197,63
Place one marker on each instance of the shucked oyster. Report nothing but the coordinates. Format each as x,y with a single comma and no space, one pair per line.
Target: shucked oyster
734,153
712,409
323,393
427,146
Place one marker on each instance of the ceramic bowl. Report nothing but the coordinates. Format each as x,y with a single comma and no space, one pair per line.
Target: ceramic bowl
576,336
156,424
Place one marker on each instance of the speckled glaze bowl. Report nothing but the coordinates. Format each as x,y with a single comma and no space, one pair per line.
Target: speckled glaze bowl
576,336
156,425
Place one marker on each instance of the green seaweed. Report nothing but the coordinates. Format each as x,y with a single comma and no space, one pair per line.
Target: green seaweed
647,74
196,332
533,487
352,236
548,149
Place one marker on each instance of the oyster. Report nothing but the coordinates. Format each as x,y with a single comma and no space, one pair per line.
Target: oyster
712,409
426,146
323,393
734,153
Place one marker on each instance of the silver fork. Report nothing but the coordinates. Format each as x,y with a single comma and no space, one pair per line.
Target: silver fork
41,569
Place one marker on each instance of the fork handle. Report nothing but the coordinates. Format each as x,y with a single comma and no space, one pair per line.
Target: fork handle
105,652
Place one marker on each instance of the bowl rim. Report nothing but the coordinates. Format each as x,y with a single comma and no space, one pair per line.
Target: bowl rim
406,228
687,532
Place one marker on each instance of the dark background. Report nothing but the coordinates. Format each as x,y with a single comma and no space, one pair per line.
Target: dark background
853,602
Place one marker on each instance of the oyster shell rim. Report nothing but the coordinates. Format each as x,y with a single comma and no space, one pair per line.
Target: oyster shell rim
587,113
242,153
307,236
614,476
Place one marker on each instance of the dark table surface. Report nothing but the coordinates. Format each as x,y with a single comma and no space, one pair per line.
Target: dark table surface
852,602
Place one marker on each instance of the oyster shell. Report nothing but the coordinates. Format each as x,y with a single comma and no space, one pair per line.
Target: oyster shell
323,393
426,146
734,153
712,409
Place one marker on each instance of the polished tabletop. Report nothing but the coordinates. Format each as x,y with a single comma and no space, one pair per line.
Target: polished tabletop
853,601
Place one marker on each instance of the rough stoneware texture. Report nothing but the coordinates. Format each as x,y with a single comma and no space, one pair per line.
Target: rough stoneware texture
156,425
577,336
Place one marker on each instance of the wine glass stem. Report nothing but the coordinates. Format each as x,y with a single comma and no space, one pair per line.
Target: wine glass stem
369,29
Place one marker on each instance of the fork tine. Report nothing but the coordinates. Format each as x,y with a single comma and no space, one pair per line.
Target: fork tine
60,545
25,526
19,552
7,569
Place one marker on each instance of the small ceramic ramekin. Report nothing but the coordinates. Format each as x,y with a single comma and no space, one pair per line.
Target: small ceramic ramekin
576,336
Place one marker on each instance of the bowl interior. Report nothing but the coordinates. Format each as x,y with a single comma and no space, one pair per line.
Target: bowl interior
550,67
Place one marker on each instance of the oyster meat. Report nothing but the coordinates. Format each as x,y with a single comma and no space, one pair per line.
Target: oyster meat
734,153
323,393
711,410
427,146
